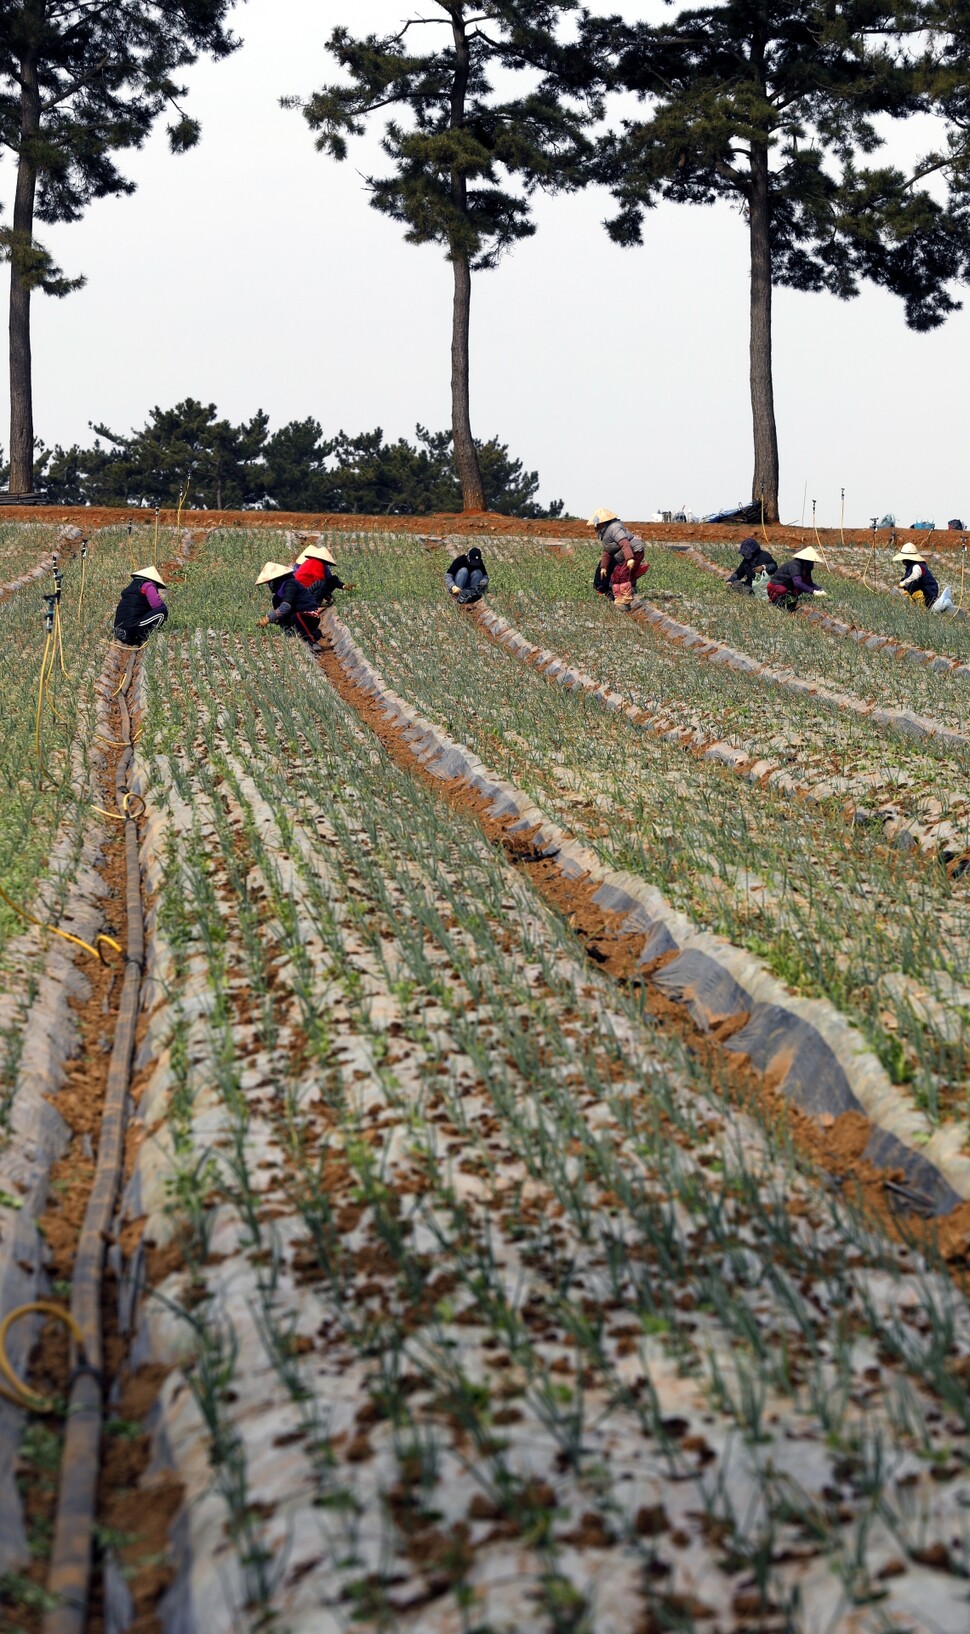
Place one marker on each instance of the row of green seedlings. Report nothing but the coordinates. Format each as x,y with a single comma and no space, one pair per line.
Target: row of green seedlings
313,1201
891,616
542,574
828,908
36,791
531,1069
790,643
783,682
821,1394
515,1491
22,546
912,814
46,816
839,754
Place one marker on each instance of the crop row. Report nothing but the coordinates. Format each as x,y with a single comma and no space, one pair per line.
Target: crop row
563,571
710,712
488,1316
829,908
908,649
803,647
37,789
22,546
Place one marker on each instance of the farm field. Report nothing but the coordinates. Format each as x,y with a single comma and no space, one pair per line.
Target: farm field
474,1267
806,650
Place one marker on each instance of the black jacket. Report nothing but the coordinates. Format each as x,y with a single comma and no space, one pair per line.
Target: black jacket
925,582
472,559
753,559
796,576
291,597
132,607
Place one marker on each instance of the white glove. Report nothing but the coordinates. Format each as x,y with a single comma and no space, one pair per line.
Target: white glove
821,592
455,590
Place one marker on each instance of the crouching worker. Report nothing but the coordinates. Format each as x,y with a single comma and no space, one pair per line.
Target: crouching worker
794,579
314,571
753,559
467,577
621,563
141,609
919,584
294,608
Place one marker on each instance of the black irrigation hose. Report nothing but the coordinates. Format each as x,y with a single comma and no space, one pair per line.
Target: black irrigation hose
70,1568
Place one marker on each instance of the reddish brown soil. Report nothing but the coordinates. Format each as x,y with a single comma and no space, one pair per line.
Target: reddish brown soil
466,522
834,1145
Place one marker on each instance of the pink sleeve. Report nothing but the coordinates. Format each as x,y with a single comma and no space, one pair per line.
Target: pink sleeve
152,596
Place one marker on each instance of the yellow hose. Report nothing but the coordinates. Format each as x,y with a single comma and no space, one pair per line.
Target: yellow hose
15,1389
114,743
871,557
126,811
41,689
60,639
65,936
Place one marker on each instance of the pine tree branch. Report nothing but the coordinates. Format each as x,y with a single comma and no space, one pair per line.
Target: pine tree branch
732,176
75,85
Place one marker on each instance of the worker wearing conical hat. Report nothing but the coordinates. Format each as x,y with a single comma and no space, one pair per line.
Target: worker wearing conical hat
314,570
918,582
141,609
294,608
794,579
621,563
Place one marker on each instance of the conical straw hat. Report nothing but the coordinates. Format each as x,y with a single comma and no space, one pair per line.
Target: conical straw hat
320,552
273,570
149,573
808,553
599,518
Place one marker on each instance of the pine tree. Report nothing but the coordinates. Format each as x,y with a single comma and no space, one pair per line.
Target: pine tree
79,83
772,104
465,163
183,452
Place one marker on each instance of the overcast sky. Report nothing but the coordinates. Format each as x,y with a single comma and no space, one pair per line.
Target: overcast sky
252,273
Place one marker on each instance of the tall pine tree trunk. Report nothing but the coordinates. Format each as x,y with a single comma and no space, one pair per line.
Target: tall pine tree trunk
21,383
764,486
466,454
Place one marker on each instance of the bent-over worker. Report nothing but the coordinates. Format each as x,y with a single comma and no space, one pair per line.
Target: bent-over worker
919,584
794,579
313,571
467,577
621,563
294,608
753,559
141,609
